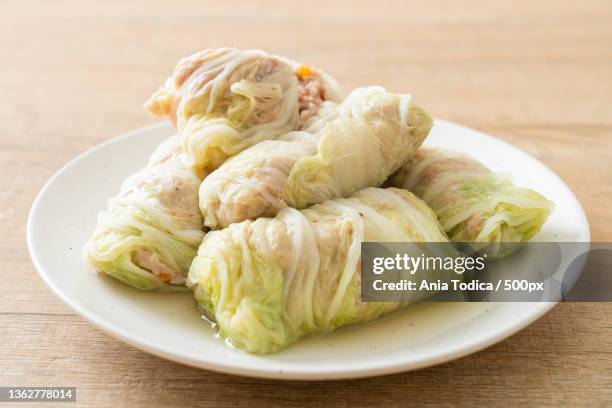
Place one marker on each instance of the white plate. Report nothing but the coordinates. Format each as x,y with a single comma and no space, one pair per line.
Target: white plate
169,325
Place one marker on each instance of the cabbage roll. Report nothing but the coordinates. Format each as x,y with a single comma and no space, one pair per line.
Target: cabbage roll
268,282
376,133
151,230
225,100
249,185
354,145
472,203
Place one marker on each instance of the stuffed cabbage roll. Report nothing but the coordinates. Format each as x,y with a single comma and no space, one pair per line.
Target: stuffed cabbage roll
249,185
376,132
354,145
472,203
268,282
225,100
151,230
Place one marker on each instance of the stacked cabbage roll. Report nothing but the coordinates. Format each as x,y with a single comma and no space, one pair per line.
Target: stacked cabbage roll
225,100
222,101
473,204
287,175
354,145
268,282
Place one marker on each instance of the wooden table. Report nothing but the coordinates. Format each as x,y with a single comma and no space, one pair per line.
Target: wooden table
537,74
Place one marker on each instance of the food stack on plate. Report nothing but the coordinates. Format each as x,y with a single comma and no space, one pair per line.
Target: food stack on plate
260,202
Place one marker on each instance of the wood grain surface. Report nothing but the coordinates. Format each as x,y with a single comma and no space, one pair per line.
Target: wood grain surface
537,74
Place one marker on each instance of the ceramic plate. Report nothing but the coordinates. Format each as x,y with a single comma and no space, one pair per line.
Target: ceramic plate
63,217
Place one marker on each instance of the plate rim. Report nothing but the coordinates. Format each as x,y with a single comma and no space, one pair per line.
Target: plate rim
269,371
